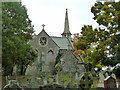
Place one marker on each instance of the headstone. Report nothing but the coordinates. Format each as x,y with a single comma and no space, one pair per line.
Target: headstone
15,70
70,79
85,81
106,74
33,82
76,85
45,81
32,79
93,72
63,81
9,77
101,77
113,75
21,83
69,85
6,78
110,82
12,84
57,79
76,76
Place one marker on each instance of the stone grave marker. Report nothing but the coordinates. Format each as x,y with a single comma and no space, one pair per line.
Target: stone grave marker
85,81
93,72
57,81
69,85
70,79
101,77
6,78
110,82
76,76
33,82
113,75
76,85
63,81
106,74
12,84
48,82
21,83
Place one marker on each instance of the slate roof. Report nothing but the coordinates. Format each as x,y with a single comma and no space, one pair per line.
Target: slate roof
62,42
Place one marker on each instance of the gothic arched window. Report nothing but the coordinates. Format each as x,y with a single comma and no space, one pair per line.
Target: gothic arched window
51,51
50,54
36,50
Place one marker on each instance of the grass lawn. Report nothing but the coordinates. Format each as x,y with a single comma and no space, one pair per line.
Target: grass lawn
64,78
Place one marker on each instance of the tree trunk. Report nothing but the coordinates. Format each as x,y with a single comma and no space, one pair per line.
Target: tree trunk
11,71
21,71
24,70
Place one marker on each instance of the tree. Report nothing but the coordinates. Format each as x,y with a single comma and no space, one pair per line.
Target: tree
15,21
99,43
90,45
16,32
108,15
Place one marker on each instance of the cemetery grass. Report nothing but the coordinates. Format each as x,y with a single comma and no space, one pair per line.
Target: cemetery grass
24,80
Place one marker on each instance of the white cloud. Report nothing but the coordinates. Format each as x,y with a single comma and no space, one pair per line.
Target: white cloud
52,14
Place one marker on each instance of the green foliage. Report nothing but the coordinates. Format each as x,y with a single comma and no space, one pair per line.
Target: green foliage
16,32
15,21
92,44
57,66
108,15
116,70
98,44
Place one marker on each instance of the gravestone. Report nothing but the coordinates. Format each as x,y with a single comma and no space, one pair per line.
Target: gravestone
63,81
76,76
101,77
12,84
85,81
110,82
76,85
6,78
113,75
57,81
45,81
106,74
33,82
51,87
70,79
93,72
69,85
48,82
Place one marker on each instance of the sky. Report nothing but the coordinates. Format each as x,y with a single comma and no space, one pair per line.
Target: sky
52,14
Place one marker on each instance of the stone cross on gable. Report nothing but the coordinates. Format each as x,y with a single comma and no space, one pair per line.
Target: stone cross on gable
43,26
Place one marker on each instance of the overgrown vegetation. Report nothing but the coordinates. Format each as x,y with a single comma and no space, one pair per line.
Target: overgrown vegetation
101,46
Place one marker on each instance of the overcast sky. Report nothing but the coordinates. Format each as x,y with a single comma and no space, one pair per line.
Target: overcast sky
52,14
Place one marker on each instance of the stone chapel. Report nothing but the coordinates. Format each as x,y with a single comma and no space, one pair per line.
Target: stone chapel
55,50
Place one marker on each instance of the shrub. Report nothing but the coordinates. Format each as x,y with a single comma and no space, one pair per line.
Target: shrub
116,71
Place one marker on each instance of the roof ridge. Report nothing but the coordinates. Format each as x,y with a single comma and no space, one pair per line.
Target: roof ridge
56,37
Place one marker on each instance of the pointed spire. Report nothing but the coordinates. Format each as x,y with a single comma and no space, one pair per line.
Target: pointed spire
66,32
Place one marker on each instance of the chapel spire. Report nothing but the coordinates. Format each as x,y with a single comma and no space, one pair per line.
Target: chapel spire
66,32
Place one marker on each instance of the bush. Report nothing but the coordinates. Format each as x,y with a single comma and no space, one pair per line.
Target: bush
116,71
